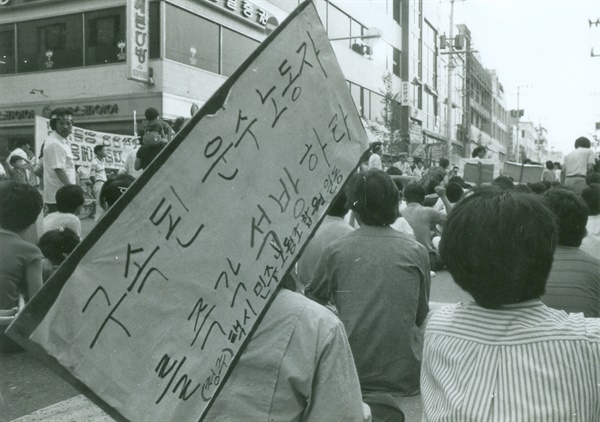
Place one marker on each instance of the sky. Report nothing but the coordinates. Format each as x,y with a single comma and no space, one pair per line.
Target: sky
541,48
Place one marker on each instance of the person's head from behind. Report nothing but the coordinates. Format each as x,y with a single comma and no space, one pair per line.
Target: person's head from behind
114,188
538,187
338,206
57,244
61,121
20,205
498,246
444,163
549,165
591,196
572,215
414,193
557,165
454,192
69,198
394,171
18,162
582,142
151,114
503,182
373,196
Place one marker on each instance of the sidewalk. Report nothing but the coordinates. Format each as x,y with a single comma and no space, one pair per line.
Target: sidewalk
80,409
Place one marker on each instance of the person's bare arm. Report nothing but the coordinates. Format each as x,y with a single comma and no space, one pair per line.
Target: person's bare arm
63,176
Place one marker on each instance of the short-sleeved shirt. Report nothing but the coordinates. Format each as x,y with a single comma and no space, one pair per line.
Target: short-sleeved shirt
574,282
62,220
421,219
375,162
297,367
15,256
379,280
57,155
576,162
98,170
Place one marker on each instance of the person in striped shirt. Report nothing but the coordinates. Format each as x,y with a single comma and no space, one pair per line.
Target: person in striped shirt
574,281
506,356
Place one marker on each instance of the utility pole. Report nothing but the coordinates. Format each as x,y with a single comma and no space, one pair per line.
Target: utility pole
450,77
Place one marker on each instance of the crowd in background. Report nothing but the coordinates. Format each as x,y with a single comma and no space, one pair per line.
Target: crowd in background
527,348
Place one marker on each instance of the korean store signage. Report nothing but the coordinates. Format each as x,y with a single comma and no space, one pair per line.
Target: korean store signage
244,9
138,40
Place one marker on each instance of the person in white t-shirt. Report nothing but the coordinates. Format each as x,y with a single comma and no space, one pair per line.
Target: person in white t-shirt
69,200
58,164
577,165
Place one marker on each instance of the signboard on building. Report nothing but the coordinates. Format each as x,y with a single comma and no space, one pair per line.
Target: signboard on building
138,40
243,9
405,93
148,315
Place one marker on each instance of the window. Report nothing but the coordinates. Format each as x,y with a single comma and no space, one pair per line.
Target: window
377,105
236,48
338,24
55,43
7,49
104,30
397,10
192,40
395,61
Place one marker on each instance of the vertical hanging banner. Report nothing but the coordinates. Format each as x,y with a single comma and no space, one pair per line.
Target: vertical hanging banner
148,315
138,40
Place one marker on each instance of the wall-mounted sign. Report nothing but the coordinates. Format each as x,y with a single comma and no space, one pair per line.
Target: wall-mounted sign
16,114
244,9
138,40
79,110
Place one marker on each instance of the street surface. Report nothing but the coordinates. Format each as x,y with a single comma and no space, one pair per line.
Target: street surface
27,385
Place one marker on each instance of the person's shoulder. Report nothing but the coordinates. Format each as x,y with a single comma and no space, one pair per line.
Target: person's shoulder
308,311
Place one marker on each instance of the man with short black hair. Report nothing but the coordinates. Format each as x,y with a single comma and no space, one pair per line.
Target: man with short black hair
58,164
574,281
379,280
506,356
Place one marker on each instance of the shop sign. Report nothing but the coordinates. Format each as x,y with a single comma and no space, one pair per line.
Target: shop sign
244,9
405,93
6,115
138,40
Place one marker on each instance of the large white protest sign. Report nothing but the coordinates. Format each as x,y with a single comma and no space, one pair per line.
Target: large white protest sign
83,141
149,313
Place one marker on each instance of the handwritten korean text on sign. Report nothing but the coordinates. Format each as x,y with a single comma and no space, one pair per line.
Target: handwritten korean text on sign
152,316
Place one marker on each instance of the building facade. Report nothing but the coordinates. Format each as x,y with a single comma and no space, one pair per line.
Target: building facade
70,53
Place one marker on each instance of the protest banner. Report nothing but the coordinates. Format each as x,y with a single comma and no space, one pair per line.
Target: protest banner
149,314
523,173
83,141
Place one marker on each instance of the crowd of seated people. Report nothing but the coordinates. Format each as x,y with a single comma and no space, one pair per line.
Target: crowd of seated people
526,348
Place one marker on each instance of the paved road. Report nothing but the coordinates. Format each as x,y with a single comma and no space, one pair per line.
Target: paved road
27,385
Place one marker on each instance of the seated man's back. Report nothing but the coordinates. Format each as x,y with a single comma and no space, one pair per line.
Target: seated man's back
507,357
523,362
574,281
379,280
297,366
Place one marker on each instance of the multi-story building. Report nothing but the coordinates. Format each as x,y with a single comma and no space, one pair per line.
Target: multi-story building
70,53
